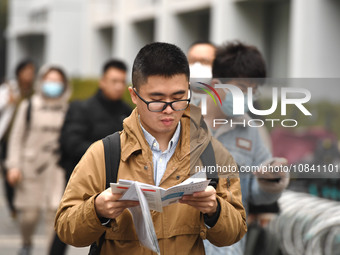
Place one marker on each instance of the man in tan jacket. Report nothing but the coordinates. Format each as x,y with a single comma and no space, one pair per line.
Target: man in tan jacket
161,144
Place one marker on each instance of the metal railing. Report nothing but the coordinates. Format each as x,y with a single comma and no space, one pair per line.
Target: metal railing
307,224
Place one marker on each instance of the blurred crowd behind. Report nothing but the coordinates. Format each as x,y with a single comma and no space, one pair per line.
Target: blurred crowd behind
48,120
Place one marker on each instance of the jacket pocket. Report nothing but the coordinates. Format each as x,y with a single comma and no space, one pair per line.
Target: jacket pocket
180,219
122,228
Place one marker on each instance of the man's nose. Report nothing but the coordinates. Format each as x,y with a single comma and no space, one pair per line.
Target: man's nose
168,109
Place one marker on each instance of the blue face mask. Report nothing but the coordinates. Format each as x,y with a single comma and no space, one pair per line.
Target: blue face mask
227,104
52,89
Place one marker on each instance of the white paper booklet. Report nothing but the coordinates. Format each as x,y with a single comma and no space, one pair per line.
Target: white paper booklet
143,222
158,197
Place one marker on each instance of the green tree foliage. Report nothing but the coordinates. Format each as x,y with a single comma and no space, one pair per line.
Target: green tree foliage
84,88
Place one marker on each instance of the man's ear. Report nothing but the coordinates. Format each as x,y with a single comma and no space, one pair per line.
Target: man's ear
220,91
215,81
133,95
101,83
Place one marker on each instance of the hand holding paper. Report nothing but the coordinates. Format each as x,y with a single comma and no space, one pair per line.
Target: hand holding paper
204,201
152,197
109,206
271,176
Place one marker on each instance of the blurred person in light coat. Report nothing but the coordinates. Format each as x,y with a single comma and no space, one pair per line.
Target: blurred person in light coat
242,66
12,92
33,153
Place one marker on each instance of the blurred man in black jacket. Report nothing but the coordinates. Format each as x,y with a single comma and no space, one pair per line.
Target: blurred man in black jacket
91,120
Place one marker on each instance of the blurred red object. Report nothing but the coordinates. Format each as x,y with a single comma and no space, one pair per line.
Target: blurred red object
298,145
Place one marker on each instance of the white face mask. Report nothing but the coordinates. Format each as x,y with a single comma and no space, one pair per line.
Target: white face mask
197,70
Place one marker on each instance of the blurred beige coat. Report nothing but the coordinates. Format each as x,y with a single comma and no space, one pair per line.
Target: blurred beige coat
33,149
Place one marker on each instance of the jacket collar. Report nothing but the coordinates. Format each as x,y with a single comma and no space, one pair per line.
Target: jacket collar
106,102
194,135
134,139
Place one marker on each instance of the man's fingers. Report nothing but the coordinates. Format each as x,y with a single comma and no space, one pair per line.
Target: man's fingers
202,194
192,198
109,197
209,191
125,204
280,161
116,196
199,204
272,175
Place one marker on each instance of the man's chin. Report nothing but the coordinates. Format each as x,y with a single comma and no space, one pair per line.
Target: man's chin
167,128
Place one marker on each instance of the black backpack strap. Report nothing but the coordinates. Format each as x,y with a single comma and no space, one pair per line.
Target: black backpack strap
112,159
208,159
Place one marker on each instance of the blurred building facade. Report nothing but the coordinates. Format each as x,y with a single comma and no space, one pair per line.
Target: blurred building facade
299,38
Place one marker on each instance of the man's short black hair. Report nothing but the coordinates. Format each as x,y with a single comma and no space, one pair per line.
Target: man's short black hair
238,60
158,58
114,63
22,64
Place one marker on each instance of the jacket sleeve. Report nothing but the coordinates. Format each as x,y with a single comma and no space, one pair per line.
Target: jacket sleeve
231,224
4,96
264,192
74,133
76,221
17,137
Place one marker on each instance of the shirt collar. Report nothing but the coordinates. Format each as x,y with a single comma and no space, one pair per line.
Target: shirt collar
154,145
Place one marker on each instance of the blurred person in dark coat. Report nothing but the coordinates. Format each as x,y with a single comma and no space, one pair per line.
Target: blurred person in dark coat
91,120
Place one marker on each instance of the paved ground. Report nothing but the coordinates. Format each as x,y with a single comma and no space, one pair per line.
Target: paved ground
10,240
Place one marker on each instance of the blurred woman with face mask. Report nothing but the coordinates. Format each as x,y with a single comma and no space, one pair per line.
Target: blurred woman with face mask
33,153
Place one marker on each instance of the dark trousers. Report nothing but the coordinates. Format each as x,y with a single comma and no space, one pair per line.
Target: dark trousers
58,247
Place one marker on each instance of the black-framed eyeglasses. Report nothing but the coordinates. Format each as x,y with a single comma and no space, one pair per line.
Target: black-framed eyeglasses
159,106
